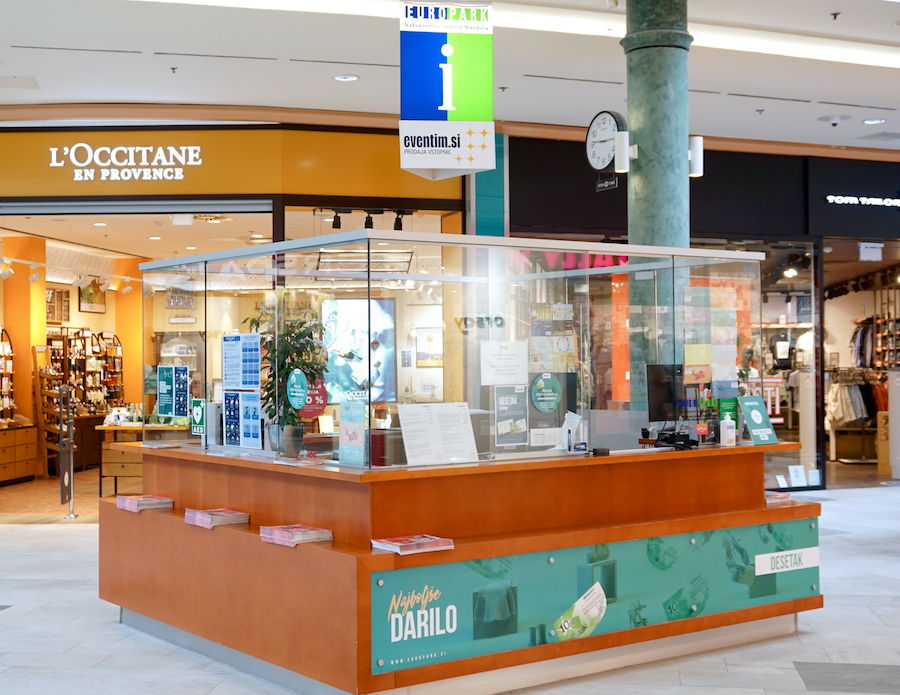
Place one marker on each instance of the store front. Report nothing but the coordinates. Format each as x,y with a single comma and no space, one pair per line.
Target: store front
80,209
799,212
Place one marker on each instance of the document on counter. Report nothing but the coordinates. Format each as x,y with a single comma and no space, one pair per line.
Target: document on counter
436,433
504,362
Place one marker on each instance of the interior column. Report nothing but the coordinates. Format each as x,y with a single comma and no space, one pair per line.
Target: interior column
129,328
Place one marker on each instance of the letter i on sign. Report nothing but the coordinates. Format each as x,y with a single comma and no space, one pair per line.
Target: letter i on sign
447,69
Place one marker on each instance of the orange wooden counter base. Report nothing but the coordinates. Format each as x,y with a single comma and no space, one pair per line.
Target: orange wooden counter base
308,609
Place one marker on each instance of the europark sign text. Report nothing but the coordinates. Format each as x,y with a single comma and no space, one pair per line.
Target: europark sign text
126,163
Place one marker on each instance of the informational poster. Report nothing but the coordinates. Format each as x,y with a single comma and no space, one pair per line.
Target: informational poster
757,418
316,399
352,439
240,361
436,433
165,401
198,416
297,388
511,413
798,476
241,419
504,362
173,391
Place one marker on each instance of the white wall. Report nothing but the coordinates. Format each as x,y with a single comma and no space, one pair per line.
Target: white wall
840,314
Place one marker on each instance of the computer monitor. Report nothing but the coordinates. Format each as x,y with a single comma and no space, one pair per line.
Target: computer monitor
663,383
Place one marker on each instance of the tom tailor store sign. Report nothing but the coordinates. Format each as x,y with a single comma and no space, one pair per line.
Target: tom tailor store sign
126,162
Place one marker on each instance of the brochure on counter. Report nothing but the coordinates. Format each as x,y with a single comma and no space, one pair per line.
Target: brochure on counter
210,518
407,545
135,503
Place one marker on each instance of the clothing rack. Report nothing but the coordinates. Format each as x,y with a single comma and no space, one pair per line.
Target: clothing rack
854,376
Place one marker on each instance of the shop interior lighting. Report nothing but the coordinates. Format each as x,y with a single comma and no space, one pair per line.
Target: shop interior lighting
35,275
104,285
790,272
695,156
610,25
873,121
398,222
370,223
336,223
7,271
103,224
346,78
127,289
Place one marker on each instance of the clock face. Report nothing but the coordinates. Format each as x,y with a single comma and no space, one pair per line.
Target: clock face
601,140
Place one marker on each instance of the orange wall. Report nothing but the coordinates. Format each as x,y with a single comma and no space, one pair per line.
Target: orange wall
621,354
129,328
25,314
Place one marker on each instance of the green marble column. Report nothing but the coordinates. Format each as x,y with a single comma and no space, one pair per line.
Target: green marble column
656,46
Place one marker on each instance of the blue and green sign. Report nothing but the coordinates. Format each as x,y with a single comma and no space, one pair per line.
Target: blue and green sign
446,89
444,612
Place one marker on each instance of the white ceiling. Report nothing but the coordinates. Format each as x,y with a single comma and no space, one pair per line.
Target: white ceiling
127,49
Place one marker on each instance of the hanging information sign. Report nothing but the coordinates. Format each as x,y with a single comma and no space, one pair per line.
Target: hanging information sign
446,89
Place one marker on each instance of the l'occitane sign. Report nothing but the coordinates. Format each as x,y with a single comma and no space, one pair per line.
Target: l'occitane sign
265,161
124,163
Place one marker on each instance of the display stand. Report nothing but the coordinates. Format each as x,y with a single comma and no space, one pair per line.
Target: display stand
109,349
315,612
47,380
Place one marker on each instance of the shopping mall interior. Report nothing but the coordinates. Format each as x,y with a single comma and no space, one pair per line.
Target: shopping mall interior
538,388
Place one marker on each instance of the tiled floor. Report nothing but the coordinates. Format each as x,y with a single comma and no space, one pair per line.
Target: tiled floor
57,637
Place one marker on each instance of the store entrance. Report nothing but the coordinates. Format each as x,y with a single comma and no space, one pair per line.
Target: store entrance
861,319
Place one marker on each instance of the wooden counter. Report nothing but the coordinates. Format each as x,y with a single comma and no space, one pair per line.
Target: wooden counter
117,464
309,609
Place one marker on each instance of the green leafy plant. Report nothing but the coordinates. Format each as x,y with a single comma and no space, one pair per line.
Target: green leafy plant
286,345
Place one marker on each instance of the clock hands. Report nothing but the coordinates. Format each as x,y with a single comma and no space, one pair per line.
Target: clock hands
593,142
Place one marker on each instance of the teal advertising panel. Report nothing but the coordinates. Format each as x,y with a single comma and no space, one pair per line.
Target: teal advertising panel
440,613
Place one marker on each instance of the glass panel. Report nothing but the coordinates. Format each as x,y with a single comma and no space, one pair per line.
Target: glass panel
174,350
717,319
422,351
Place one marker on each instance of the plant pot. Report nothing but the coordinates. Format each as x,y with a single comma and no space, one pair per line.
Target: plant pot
286,441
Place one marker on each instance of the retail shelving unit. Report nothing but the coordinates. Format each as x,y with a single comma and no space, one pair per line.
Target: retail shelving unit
47,379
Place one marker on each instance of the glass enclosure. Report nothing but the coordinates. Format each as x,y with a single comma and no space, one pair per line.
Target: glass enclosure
378,348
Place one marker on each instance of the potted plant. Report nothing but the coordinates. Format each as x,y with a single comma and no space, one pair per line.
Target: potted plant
288,346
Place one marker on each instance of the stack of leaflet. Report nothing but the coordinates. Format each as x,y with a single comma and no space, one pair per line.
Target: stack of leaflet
135,503
209,518
291,534
774,498
407,545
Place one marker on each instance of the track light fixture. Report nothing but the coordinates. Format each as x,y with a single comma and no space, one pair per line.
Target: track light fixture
336,222
35,275
7,271
398,222
104,285
127,289
370,223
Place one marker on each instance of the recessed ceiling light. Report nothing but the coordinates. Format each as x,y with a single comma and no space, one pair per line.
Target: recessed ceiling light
155,238
213,220
103,224
257,236
382,243
329,219
190,248
873,121
346,78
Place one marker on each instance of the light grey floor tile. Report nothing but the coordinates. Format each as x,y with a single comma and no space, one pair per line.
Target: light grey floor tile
239,683
90,681
58,661
867,654
786,679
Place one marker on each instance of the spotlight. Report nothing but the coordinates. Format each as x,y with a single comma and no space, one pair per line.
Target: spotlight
765,298
6,272
35,275
147,291
127,289
336,223
398,222
787,299
370,223
104,285
790,272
